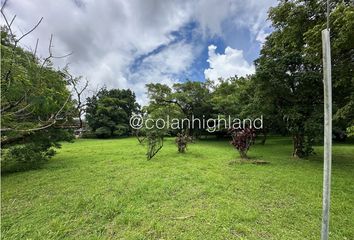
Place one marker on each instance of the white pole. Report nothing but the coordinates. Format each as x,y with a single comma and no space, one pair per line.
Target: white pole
327,83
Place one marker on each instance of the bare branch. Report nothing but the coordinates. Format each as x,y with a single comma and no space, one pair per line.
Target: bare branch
63,56
7,22
13,104
80,107
50,46
3,5
20,109
50,122
31,30
49,50
35,49
15,41
17,112
13,19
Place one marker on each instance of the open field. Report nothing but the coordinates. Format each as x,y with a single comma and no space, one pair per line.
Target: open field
106,189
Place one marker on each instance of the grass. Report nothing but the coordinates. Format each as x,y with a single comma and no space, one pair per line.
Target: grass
106,189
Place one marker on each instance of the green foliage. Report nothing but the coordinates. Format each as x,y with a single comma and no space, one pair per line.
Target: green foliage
40,89
109,111
34,150
289,69
154,139
103,132
184,100
350,131
25,157
161,105
341,24
287,89
230,95
88,134
35,103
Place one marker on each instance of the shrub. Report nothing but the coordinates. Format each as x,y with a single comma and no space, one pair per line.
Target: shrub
242,139
155,142
25,157
182,141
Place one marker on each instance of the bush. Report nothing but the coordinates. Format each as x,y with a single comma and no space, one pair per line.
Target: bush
103,132
242,139
32,151
182,141
25,157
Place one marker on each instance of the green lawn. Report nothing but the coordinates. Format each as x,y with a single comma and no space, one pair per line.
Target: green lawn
106,189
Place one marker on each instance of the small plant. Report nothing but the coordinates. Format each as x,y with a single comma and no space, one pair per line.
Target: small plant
182,141
154,143
242,139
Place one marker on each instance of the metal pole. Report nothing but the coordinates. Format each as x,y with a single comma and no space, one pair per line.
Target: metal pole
327,22
327,83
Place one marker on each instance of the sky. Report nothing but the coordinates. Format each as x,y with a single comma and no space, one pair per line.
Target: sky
129,43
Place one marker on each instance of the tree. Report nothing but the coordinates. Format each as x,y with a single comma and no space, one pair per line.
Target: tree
341,23
79,88
289,68
239,97
35,103
184,100
161,105
109,111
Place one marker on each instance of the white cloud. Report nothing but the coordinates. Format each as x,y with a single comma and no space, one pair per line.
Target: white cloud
261,36
226,65
210,15
106,37
215,15
163,67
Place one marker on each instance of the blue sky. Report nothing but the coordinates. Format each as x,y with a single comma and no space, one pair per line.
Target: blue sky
127,44
232,36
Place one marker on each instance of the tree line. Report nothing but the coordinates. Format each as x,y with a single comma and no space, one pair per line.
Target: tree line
39,102
287,87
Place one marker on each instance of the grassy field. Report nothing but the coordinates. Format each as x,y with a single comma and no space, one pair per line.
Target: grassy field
106,189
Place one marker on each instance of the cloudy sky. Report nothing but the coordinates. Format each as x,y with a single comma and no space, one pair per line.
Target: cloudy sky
128,43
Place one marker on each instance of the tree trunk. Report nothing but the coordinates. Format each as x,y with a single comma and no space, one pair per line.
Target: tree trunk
80,122
264,137
298,143
243,154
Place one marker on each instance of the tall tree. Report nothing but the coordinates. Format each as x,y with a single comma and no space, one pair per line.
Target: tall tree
239,97
292,77
35,104
108,112
341,23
